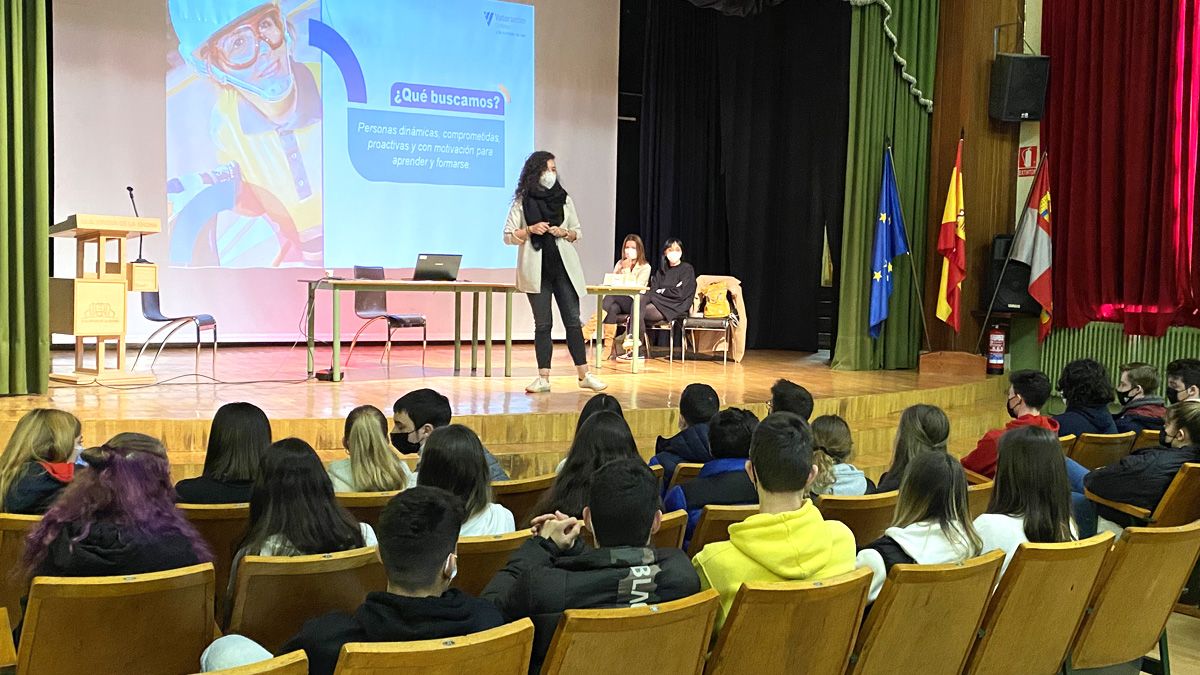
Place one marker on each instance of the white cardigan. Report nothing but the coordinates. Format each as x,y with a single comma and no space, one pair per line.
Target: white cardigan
529,261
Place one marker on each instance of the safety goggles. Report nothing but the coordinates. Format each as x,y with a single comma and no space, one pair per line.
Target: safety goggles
238,48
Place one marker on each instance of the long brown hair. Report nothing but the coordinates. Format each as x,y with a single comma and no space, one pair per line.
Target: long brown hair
42,435
935,489
1031,482
641,249
923,428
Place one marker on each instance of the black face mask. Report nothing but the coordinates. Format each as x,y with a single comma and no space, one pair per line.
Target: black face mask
1124,396
1163,439
1172,396
1008,405
400,442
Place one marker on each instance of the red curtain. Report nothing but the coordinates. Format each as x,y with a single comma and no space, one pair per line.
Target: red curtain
1122,130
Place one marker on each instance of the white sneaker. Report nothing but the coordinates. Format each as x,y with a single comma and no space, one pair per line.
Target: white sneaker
539,386
592,382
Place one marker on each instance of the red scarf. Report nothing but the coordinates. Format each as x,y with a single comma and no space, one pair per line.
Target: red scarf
63,472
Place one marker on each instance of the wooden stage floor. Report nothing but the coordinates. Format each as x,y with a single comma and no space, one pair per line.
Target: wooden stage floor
528,433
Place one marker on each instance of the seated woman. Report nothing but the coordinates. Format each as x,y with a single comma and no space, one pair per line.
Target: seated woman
453,460
832,448
932,523
117,517
239,434
1031,501
1087,390
604,437
634,268
39,460
672,291
923,428
372,466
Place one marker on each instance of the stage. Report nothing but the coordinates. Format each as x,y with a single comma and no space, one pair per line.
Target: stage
529,434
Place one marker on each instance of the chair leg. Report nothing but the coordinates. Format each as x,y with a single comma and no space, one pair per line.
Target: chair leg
424,340
387,347
356,336
149,341
671,343
214,350
177,325
1164,654
197,370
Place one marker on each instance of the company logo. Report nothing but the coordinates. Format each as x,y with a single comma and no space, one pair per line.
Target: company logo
487,17
500,19
99,311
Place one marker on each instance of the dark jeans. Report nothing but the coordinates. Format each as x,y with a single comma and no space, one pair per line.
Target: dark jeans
543,320
1082,508
617,308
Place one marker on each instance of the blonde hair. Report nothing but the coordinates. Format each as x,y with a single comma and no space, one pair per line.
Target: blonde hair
374,467
832,445
42,435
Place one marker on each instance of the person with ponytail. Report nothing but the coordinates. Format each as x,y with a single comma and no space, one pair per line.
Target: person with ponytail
39,460
372,466
923,428
832,448
117,517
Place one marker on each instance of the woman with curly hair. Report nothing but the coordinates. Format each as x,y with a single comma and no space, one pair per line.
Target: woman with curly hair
1087,390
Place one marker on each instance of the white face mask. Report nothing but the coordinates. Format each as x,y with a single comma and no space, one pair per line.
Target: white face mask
631,253
548,179
674,257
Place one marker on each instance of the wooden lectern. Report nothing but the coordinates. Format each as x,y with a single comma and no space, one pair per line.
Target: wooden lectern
92,305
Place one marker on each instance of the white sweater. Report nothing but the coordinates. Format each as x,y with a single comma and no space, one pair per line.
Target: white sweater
495,519
529,261
923,542
1004,532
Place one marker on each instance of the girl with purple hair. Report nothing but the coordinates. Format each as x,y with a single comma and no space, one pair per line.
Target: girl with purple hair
117,517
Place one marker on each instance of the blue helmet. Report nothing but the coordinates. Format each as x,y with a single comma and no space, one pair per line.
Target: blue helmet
197,21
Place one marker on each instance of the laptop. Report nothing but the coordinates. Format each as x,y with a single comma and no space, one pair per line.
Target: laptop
436,267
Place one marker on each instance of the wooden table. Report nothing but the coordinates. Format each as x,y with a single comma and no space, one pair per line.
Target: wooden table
633,292
337,286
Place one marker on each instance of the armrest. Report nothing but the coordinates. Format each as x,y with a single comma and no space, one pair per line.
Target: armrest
974,478
8,650
1143,515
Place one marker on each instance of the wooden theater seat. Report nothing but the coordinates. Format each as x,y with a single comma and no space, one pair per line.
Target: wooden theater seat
714,523
521,495
867,516
366,506
1067,442
292,663
223,526
1180,504
1093,451
480,558
672,530
684,473
978,498
13,586
500,651
1149,438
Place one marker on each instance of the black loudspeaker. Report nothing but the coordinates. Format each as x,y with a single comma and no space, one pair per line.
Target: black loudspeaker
1018,87
1013,295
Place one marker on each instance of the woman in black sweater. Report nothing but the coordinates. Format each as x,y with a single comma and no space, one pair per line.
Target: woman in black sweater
672,290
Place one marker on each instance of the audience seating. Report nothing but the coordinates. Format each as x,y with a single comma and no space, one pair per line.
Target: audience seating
366,506
1149,438
1179,506
1067,442
672,530
144,623
684,473
223,526
975,478
714,523
500,651
867,516
1096,450
479,558
978,498
1034,613
292,663
666,639
793,627
1134,596
521,495
13,585
275,595
919,602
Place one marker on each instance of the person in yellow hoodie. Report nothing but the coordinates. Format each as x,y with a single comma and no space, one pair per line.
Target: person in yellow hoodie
787,540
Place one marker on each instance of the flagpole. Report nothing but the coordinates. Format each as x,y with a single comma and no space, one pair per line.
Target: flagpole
911,265
983,328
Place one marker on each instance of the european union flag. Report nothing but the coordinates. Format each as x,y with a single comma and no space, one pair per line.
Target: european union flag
890,242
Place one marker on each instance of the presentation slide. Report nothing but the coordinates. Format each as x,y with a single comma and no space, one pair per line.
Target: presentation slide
333,133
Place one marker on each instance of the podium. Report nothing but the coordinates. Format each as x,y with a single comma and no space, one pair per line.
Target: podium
93,304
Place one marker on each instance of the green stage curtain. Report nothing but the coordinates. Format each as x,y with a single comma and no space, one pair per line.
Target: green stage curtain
24,197
891,86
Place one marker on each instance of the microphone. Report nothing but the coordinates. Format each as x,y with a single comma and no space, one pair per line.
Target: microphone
141,236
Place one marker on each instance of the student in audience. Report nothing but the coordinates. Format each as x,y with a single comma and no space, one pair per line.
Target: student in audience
1028,391
932,524
604,437
1085,387
595,404
453,460
723,480
118,517
1140,408
39,460
416,414
697,404
787,540
1031,501
787,396
418,536
923,428
1183,380
554,571
672,292
239,434
372,466
832,448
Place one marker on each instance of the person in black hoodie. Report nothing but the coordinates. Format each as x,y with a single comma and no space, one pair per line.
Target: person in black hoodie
418,535
697,405
1085,386
554,571
672,291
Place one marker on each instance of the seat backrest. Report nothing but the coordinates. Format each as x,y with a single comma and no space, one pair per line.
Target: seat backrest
792,627
275,595
867,516
1135,594
684,473
978,497
714,523
1022,631
658,471
140,623
1067,442
152,307
500,651
480,558
669,638
920,601
13,585
1096,450
369,304
1180,504
671,531
522,494
223,526
292,663
975,478
366,506
1149,438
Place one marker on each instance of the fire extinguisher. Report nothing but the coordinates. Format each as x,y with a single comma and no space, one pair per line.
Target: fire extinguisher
995,356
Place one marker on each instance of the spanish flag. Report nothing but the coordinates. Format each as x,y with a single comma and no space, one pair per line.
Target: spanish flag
952,246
